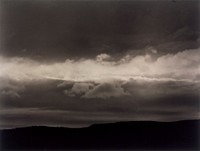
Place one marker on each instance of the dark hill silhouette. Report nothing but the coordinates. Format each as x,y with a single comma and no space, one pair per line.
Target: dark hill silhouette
123,135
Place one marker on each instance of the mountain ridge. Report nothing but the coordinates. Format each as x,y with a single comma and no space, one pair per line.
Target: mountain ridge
99,124
121,135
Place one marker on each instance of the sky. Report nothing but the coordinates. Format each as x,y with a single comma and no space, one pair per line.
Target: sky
76,63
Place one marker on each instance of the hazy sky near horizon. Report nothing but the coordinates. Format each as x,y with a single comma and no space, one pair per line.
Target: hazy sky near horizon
77,63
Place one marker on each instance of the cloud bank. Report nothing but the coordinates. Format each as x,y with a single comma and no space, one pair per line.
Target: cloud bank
180,66
82,92
77,104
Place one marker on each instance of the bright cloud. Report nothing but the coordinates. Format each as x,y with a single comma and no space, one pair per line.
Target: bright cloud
106,90
79,89
181,66
10,89
9,93
103,57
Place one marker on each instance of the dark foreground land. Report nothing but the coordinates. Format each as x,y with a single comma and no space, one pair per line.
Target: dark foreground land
182,135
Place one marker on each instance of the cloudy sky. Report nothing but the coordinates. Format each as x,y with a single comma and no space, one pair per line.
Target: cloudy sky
77,63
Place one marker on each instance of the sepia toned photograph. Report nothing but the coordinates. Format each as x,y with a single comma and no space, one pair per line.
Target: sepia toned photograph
100,75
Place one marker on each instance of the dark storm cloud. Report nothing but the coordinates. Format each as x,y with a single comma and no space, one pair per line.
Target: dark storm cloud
59,29
44,103
30,117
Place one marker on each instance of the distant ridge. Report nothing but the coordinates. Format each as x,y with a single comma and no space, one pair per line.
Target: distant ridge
181,135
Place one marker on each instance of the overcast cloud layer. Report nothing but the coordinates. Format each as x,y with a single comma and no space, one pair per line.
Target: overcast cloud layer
77,63
49,30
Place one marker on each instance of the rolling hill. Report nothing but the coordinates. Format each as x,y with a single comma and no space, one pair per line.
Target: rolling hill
181,135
